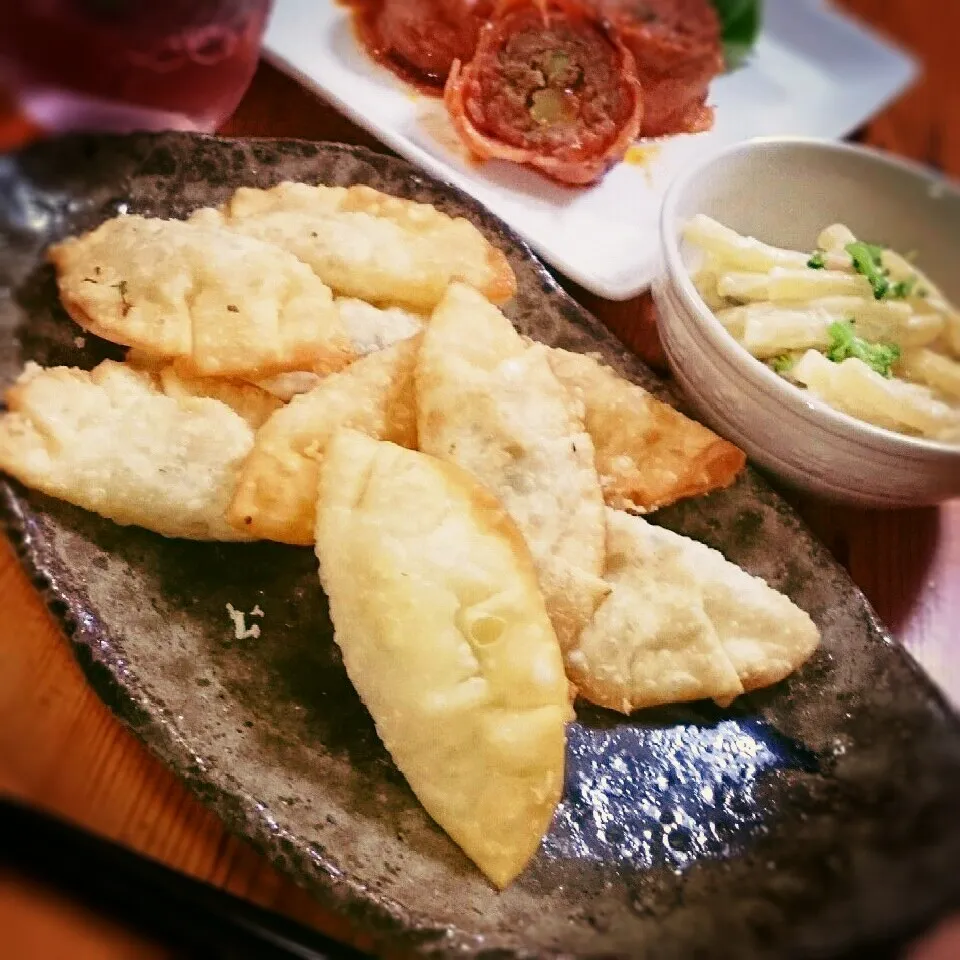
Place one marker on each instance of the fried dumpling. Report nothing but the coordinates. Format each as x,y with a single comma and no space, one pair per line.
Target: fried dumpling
764,633
682,623
276,494
216,302
444,634
650,642
256,406
110,441
370,245
372,328
648,454
368,328
492,405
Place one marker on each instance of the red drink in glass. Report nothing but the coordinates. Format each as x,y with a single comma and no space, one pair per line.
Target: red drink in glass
129,64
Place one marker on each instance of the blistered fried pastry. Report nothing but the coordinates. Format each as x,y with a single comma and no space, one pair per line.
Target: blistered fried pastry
276,493
436,608
682,623
369,329
111,441
218,303
648,454
491,404
256,406
370,245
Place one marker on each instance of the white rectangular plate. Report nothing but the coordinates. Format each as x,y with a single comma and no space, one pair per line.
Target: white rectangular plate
813,73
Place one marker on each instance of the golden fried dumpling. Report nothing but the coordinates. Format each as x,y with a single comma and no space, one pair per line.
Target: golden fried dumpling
369,329
444,634
368,244
763,632
650,642
111,441
218,303
492,405
276,494
682,623
648,454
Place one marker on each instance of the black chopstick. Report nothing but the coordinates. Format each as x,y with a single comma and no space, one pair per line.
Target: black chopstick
189,916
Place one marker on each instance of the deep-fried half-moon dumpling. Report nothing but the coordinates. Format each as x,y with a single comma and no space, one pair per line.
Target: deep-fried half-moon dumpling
276,495
490,404
219,303
370,245
682,623
435,605
651,642
765,634
369,328
648,454
109,440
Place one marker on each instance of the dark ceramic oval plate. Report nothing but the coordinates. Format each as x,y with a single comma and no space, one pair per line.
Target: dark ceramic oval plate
811,820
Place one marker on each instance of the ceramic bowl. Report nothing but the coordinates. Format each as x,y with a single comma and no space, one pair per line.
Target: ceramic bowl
785,191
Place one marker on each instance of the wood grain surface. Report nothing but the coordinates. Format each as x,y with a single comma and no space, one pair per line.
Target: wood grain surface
62,749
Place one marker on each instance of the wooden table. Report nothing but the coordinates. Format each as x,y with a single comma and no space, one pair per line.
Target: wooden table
61,748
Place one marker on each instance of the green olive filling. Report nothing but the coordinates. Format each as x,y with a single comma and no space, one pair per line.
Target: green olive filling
554,65
549,106
555,102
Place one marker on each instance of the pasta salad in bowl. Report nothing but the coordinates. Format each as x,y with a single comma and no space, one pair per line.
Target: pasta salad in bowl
806,310
856,324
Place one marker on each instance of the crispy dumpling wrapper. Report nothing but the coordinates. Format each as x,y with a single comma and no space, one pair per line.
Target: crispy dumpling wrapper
256,406
277,491
436,608
648,454
369,329
764,633
216,302
651,642
492,405
285,386
370,245
682,623
145,361
110,441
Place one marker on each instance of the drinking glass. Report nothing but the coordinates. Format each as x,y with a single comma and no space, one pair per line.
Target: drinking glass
122,65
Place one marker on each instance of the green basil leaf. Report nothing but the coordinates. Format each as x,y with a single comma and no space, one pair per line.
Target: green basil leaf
740,23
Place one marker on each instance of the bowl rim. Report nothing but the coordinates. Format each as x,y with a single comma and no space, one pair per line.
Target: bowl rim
817,412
